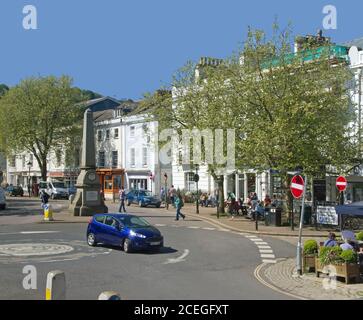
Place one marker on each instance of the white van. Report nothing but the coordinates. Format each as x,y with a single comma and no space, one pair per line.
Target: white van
2,199
55,189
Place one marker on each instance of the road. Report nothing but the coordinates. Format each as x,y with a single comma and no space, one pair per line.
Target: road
199,261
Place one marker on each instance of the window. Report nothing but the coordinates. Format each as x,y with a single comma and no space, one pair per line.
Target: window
100,219
189,181
116,134
114,159
101,159
132,132
31,159
144,156
58,155
99,135
132,157
12,161
23,161
107,134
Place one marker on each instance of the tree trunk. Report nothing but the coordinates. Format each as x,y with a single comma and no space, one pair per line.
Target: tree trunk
288,196
220,183
43,168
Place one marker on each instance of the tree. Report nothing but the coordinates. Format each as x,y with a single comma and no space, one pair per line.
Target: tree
3,89
40,116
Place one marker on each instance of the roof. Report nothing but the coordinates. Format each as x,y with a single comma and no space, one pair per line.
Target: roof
128,106
99,116
94,101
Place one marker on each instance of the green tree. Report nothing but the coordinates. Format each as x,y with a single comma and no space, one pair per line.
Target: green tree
40,116
3,89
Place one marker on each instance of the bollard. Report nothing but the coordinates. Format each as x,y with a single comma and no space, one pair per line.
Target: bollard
109,295
48,213
56,286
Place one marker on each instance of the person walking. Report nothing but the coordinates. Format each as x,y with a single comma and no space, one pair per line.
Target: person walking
178,205
122,196
45,198
172,195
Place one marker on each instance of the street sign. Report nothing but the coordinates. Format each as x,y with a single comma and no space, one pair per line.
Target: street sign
297,186
342,183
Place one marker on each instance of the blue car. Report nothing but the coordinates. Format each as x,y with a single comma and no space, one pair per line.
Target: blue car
142,198
130,232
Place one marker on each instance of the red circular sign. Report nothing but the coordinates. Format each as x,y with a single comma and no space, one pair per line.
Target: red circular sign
342,183
297,186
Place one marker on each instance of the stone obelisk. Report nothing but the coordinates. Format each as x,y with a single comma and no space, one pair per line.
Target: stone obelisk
88,200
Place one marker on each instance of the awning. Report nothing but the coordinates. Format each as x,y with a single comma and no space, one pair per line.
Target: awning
351,210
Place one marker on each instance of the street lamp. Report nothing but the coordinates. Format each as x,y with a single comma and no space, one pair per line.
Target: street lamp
29,164
196,180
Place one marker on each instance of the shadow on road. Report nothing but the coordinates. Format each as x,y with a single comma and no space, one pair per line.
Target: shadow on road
163,250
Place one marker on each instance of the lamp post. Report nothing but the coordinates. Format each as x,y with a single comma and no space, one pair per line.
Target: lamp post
29,164
196,179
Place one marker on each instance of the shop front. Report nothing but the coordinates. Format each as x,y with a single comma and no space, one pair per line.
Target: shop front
112,180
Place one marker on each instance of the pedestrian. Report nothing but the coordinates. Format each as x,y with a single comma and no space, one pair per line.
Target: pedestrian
162,194
267,201
172,195
122,197
44,197
178,205
331,242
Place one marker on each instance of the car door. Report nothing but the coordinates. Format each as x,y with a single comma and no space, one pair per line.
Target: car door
112,233
98,227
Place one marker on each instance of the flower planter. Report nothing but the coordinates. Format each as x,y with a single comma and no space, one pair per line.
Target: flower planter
347,271
309,261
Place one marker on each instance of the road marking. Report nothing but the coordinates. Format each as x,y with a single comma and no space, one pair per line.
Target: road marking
261,243
180,259
224,230
191,227
210,229
160,225
264,247
266,251
256,240
269,261
38,232
251,236
268,256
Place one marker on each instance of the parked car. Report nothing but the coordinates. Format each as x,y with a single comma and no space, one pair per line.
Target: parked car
128,231
2,199
142,198
15,191
55,189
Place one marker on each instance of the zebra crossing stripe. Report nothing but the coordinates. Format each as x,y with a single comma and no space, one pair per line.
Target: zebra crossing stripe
191,227
269,261
210,229
268,256
266,251
264,247
256,240
251,236
261,243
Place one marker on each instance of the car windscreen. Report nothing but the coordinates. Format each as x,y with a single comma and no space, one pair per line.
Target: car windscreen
58,185
145,193
134,222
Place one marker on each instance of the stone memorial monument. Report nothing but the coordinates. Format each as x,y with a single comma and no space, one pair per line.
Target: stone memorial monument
88,200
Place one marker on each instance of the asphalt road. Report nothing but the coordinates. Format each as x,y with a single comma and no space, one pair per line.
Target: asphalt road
199,261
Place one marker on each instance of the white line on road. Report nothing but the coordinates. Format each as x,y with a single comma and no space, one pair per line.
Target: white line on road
160,225
268,256
210,229
224,230
266,251
256,240
191,227
251,236
269,261
38,232
261,243
180,259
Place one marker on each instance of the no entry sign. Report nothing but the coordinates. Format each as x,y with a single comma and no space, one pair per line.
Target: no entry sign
342,183
297,186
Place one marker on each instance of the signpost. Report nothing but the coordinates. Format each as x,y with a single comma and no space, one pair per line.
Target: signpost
342,186
298,190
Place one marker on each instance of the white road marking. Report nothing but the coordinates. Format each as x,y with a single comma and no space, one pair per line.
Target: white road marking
256,240
264,247
210,229
268,256
224,230
38,232
160,225
266,251
269,261
251,236
191,227
261,243
180,259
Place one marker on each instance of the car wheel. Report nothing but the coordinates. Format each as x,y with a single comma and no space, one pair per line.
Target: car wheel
91,240
158,206
127,246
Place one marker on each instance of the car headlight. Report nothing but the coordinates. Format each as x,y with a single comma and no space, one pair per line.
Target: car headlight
135,234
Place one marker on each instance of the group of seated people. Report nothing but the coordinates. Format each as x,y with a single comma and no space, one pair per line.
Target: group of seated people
349,242
208,200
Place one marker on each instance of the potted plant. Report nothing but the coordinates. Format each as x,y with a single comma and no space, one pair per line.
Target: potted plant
309,256
345,263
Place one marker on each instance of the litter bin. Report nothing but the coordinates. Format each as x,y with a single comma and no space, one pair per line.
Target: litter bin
273,217
307,215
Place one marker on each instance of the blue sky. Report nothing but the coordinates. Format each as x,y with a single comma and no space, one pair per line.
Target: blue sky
124,48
